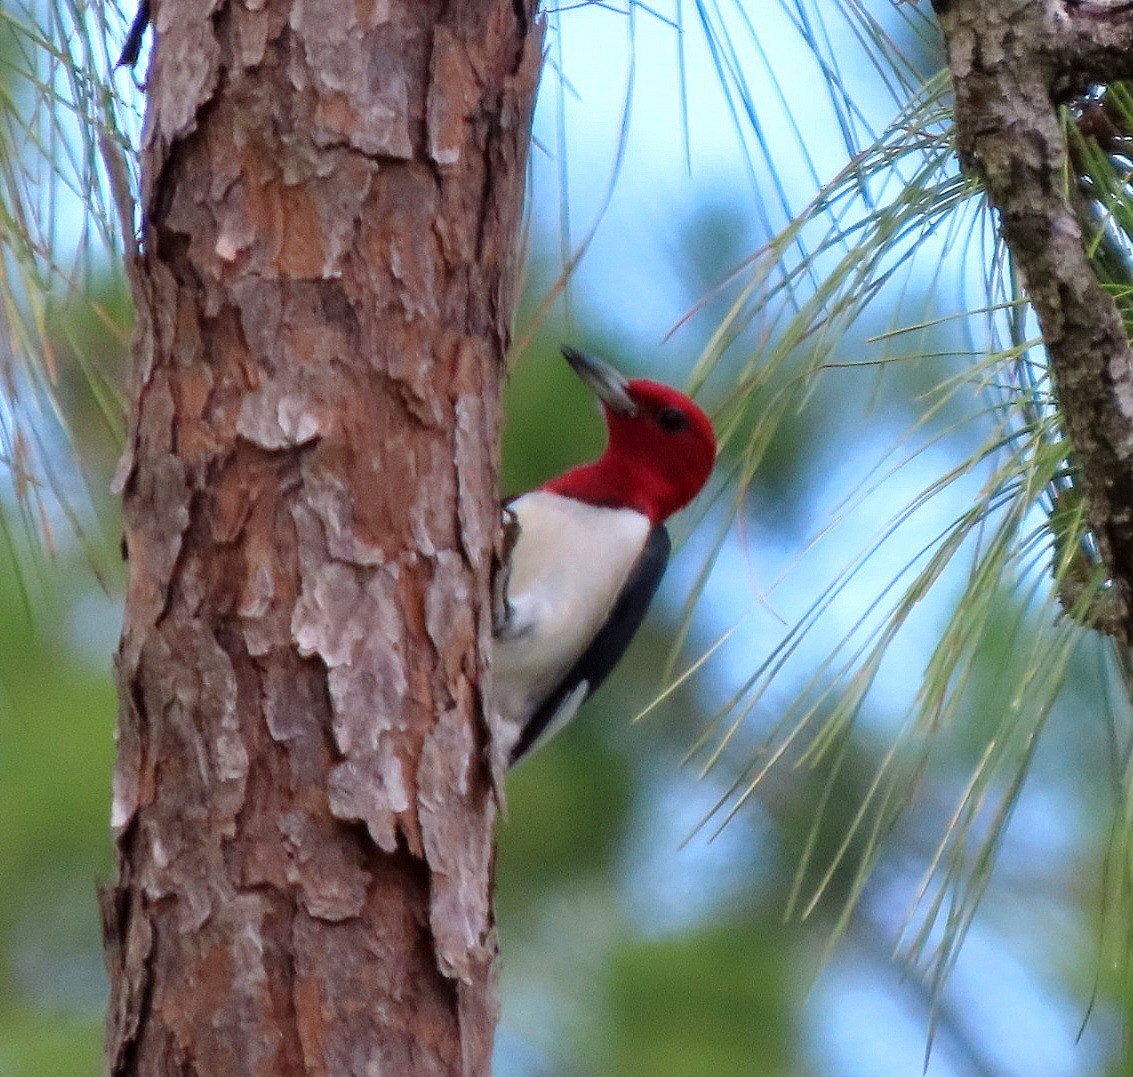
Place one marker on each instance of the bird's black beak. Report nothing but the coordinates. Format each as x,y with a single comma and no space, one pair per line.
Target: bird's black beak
604,381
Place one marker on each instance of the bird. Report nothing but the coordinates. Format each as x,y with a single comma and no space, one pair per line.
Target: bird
583,554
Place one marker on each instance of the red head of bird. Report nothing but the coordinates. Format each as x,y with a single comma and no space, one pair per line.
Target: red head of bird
660,447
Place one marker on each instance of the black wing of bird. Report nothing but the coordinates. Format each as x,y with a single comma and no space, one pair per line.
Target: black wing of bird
608,646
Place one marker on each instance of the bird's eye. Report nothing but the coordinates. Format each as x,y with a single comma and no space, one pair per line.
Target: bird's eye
672,419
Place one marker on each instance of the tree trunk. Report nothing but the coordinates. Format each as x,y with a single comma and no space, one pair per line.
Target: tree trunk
330,198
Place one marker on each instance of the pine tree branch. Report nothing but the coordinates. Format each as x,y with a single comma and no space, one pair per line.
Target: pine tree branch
1011,65
1093,39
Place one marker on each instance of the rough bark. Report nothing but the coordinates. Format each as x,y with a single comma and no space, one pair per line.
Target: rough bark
1012,63
304,811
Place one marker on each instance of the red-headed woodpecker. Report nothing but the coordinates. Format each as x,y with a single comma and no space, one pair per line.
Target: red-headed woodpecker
586,552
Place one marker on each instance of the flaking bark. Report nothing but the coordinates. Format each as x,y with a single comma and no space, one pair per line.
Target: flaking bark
1012,63
330,201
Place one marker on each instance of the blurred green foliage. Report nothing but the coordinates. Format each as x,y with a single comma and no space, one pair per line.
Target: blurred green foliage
57,711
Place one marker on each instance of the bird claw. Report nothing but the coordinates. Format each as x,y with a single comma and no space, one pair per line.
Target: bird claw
501,608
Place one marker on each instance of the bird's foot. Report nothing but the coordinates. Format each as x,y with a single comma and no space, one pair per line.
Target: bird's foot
501,607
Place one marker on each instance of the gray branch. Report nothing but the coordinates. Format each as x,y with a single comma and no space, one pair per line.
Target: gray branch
1011,64
1093,39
